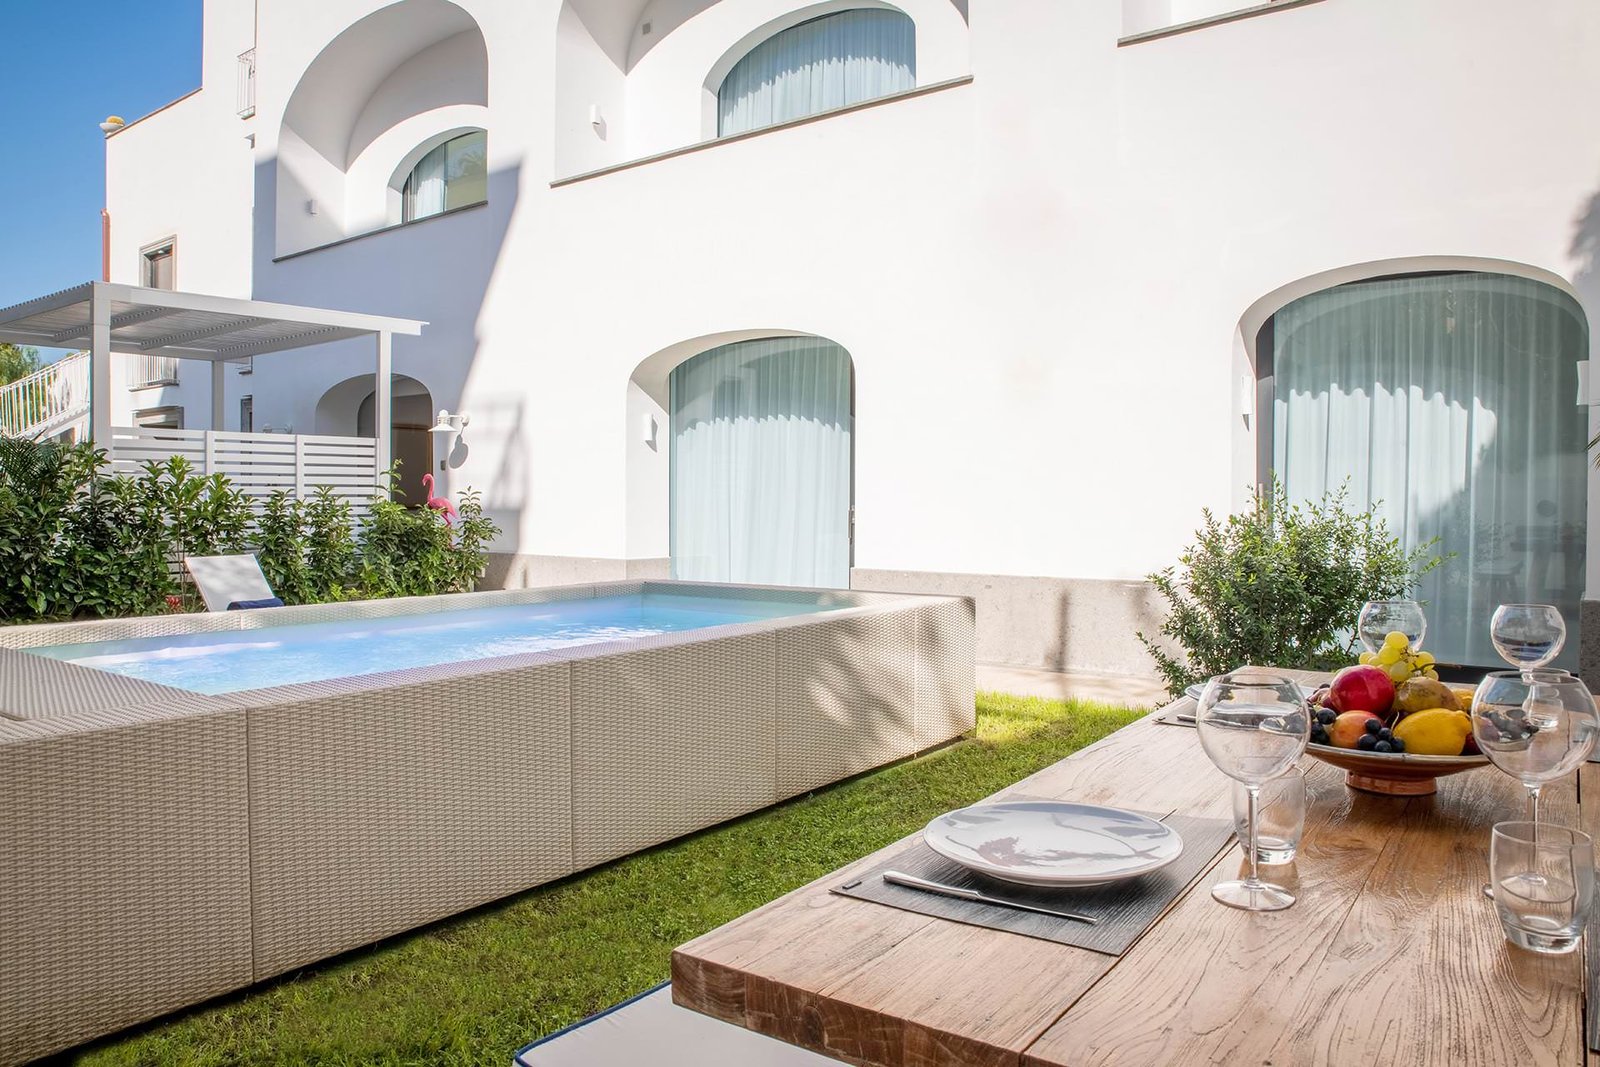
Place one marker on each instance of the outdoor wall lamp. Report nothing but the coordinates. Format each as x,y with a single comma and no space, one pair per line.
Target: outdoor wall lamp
445,431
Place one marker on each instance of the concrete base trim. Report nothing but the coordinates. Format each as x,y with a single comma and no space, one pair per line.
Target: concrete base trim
1058,624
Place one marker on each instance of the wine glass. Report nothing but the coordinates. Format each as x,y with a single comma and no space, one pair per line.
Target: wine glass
1379,618
1253,725
1534,725
1527,635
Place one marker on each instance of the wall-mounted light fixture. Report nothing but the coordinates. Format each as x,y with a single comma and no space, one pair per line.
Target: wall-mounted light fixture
1247,397
444,432
311,207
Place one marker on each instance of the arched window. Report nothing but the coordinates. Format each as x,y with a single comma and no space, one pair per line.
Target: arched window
819,65
1447,402
454,174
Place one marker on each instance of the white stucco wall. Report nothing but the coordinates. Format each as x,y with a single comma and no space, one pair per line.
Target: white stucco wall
1040,275
185,172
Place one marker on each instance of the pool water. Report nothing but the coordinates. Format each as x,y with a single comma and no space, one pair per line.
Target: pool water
281,655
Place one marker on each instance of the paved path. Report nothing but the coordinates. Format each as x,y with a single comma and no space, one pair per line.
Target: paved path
1110,688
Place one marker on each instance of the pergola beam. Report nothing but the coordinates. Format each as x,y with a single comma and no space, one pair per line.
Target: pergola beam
179,340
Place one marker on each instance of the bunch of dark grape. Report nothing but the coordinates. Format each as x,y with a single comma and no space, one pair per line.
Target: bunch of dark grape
1379,738
1321,719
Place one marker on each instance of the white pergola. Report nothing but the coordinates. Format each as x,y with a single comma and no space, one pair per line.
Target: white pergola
107,317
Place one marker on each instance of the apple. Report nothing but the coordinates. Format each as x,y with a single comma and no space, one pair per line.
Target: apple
1361,688
1347,728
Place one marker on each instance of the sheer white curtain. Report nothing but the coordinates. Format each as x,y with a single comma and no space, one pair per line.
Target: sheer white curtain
760,464
425,189
825,63
1452,400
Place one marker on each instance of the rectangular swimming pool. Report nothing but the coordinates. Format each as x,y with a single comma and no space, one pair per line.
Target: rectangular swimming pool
228,662
216,799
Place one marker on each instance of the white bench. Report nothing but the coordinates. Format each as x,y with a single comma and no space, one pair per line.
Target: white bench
650,1031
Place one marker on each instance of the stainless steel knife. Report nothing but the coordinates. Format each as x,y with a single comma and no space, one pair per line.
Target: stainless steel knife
911,881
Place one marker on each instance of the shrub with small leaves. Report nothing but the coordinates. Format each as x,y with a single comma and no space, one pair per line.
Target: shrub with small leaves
1280,584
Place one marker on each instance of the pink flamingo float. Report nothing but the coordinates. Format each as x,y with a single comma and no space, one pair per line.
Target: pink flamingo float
439,503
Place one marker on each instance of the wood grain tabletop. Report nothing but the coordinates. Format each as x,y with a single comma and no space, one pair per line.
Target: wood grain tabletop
1390,956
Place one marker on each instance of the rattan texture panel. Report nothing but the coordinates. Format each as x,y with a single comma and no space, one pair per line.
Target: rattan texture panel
72,633
946,670
35,687
846,692
124,877
669,740
375,813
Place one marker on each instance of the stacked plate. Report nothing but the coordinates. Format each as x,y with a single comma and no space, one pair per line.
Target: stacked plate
1053,843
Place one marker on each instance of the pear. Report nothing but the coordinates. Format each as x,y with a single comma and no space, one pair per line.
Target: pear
1421,694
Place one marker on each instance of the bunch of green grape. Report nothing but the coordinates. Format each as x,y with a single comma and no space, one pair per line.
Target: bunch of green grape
1397,659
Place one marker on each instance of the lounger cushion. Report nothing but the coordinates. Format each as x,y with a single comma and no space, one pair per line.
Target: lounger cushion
246,605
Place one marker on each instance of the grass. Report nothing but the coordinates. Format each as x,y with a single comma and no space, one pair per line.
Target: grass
472,989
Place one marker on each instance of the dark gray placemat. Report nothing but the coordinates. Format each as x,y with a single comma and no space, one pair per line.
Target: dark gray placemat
1125,909
1184,706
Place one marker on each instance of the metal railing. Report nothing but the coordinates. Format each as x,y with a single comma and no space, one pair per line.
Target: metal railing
146,371
48,401
246,85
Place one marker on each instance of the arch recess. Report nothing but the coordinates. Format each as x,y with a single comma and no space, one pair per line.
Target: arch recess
1443,392
389,82
806,461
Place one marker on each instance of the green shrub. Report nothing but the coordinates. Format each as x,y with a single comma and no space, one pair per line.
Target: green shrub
73,541
330,545
78,541
1279,584
412,552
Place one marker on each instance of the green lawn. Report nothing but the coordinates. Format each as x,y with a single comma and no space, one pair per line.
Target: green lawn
473,989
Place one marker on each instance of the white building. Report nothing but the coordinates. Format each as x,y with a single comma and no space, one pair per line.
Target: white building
1022,299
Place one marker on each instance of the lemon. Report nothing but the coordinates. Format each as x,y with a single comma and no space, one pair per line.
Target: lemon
1435,732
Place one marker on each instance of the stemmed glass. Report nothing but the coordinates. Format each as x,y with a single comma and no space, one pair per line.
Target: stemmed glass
1527,636
1253,725
1379,618
1534,725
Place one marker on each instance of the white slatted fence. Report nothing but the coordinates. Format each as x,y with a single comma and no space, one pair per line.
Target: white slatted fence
259,463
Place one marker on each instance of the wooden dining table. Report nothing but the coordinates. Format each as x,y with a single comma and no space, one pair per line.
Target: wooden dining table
1390,955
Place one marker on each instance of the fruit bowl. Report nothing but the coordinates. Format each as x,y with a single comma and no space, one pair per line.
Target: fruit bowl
1396,774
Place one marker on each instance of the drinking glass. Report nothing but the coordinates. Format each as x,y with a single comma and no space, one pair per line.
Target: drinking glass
1280,816
1379,618
1254,726
1544,884
1527,635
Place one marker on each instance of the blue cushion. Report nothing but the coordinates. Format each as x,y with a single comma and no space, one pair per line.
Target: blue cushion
246,605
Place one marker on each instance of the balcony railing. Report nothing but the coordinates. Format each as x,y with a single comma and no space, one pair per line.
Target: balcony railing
246,88
145,372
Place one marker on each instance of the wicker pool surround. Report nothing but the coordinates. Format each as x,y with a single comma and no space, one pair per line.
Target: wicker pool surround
162,847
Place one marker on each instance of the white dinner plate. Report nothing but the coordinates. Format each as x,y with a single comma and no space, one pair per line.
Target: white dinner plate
1052,843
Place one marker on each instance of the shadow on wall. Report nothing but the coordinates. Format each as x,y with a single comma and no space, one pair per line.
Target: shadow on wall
377,273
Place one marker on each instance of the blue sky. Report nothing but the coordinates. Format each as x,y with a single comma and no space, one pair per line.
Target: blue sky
67,65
